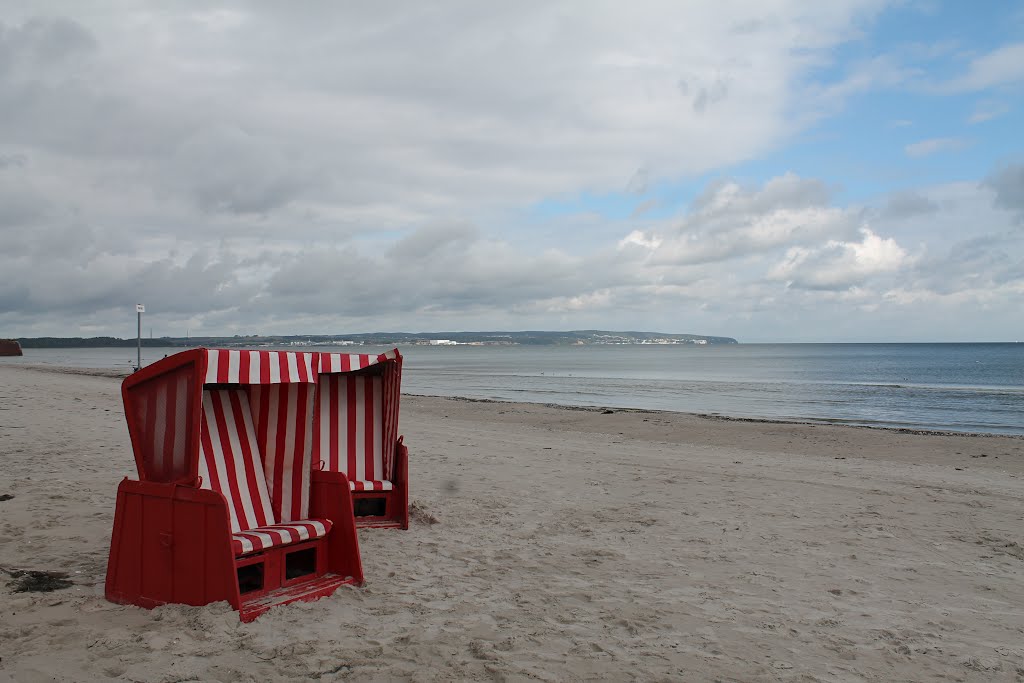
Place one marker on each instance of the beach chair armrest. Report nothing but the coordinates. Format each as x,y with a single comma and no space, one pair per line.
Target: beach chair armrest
176,491
400,471
400,476
330,497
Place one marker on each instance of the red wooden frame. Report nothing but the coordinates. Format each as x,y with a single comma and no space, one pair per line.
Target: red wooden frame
172,540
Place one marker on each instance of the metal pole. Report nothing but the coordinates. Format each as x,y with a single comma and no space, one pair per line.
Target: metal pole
138,362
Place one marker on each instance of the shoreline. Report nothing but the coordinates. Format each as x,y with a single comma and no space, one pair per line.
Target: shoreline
728,418
117,374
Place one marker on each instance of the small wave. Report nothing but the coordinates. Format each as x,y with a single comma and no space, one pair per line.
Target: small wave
951,388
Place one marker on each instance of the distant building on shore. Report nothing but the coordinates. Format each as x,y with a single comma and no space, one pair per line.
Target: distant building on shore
10,347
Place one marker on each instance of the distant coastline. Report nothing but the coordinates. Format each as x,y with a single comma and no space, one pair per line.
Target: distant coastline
527,338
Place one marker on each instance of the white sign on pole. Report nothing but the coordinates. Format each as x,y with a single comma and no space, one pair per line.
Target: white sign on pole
139,308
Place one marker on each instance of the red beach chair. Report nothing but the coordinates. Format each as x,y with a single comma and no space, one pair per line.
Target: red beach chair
227,506
356,433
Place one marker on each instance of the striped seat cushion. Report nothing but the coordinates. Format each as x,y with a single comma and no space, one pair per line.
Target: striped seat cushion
261,538
361,485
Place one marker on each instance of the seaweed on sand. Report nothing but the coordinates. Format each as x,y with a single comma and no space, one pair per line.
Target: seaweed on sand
35,581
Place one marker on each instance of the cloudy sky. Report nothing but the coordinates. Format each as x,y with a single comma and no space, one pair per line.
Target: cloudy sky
771,170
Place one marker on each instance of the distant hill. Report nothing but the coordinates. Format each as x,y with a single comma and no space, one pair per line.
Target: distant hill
527,338
83,342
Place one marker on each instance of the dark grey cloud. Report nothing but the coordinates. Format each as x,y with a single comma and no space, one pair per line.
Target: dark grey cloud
226,169
424,243
20,207
58,94
77,284
704,95
984,263
440,268
41,43
1008,185
908,205
13,161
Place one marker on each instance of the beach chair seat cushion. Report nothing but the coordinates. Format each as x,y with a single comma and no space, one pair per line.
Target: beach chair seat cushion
273,535
364,485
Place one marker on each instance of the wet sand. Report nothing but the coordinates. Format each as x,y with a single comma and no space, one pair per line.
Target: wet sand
569,545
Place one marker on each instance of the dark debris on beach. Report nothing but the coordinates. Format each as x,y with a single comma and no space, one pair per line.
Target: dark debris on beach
419,513
36,581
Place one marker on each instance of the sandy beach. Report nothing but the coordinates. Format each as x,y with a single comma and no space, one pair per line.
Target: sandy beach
568,545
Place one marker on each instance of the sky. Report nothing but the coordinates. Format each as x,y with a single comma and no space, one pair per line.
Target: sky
771,170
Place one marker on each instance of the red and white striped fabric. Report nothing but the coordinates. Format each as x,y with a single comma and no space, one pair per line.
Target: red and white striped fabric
347,362
235,366
163,413
283,416
392,397
229,459
265,537
371,485
230,463
350,439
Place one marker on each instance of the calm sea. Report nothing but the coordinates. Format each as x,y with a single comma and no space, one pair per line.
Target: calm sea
957,387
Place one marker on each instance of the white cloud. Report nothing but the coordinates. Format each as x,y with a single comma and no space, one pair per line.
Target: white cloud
988,110
881,72
600,300
441,109
924,148
1002,66
638,238
729,221
841,265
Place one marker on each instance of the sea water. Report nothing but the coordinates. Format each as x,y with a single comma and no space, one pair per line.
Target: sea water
949,387
958,387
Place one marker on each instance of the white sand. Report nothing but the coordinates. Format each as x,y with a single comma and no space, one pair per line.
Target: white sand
572,545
